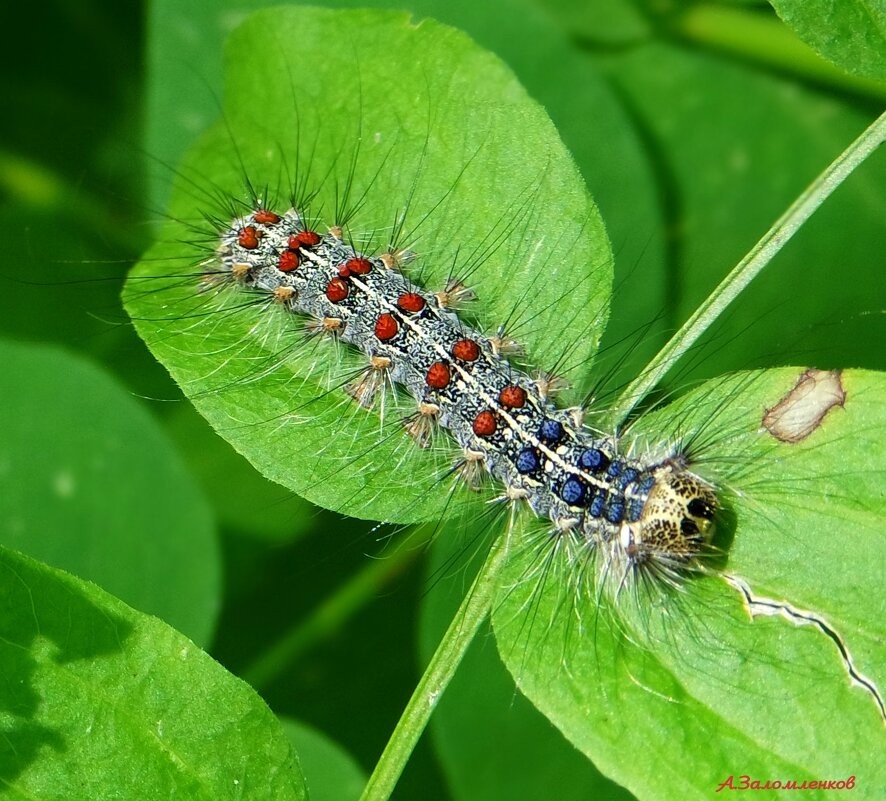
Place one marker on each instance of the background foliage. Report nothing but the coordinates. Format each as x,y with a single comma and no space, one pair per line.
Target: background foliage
694,125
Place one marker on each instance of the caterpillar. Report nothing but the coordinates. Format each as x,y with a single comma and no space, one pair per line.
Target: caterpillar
653,516
537,264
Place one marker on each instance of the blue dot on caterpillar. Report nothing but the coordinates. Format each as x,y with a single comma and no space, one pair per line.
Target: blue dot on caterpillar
656,515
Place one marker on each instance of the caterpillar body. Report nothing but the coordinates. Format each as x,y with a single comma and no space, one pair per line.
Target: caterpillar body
655,515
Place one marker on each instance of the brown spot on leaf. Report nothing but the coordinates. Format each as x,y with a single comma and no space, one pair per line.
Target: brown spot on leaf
801,411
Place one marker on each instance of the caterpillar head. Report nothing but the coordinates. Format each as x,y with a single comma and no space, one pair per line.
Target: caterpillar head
676,524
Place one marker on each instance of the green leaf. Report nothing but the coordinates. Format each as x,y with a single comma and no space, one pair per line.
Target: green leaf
331,773
851,33
102,702
244,502
803,527
92,484
467,143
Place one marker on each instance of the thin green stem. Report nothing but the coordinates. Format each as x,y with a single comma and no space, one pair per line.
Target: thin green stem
473,611
749,267
334,610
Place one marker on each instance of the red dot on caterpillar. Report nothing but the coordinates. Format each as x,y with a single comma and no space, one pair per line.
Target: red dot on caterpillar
512,396
248,237
386,327
484,424
265,217
411,302
359,266
467,350
337,290
355,267
288,261
438,375
304,239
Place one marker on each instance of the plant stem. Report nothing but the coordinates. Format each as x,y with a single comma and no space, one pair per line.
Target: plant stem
473,611
749,267
334,610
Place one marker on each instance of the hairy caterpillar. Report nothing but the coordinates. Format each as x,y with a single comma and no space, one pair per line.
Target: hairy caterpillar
652,516
390,482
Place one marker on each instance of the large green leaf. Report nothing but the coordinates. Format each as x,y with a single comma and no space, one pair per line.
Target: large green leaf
851,33
442,125
90,483
102,702
758,698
